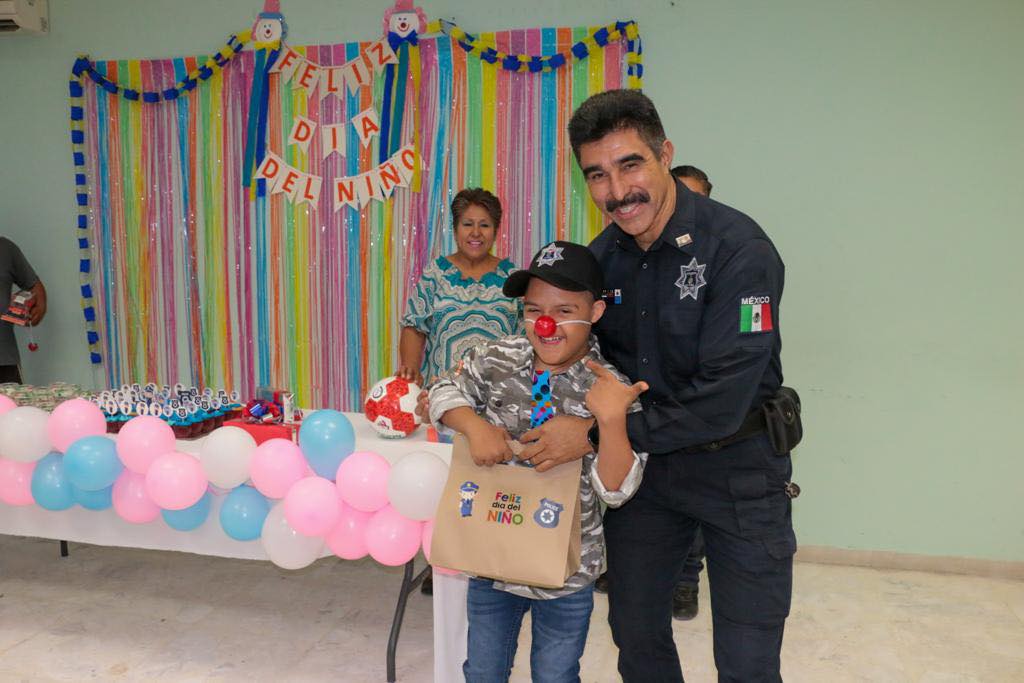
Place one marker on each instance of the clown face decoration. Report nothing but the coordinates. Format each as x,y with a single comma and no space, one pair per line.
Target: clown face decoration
403,19
403,23
267,30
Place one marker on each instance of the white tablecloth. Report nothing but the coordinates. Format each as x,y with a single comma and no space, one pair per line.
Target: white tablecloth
106,528
451,626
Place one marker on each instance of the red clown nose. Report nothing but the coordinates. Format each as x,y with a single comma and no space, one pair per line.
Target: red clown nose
545,326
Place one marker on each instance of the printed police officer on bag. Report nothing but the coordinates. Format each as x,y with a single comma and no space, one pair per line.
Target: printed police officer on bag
693,289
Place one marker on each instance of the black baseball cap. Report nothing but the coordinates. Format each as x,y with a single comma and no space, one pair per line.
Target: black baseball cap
565,265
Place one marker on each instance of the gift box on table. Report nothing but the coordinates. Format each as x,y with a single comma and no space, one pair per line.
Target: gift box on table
265,432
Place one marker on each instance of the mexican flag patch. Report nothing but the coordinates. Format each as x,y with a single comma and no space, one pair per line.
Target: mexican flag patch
755,314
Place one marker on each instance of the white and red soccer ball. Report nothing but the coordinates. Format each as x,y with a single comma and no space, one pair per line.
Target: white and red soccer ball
391,407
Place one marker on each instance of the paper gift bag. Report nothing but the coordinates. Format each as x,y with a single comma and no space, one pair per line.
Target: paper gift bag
508,522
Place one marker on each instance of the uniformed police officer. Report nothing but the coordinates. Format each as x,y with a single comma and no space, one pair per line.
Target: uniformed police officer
693,291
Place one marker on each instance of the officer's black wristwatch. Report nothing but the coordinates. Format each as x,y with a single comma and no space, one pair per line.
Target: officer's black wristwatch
594,436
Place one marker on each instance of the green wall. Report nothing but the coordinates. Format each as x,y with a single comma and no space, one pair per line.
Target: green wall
879,143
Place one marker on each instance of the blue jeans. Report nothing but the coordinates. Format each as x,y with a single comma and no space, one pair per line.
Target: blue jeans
559,634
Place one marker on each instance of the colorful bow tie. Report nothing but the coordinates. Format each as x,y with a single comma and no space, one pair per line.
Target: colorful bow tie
541,409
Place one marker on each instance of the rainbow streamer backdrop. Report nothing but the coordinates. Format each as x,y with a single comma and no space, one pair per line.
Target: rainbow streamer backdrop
196,281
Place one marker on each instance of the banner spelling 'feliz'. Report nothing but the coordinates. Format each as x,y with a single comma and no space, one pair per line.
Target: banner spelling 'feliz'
189,274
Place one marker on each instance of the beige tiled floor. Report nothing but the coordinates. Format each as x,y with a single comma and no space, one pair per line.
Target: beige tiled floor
133,615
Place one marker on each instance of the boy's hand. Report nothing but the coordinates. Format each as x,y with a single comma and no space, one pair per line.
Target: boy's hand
609,398
423,406
488,445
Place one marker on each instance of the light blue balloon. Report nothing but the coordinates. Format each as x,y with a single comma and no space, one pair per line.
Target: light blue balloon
191,517
326,438
243,512
91,463
50,485
92,500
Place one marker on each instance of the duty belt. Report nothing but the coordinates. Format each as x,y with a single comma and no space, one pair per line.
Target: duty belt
752,425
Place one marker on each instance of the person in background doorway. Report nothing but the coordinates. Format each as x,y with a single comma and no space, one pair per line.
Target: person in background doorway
695,179
684,599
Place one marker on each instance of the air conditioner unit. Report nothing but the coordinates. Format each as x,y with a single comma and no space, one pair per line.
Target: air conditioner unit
24,16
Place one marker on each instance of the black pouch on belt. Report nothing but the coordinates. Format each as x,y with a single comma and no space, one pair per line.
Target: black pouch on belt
782,420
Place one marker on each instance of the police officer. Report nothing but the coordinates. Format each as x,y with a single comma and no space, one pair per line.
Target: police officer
693,290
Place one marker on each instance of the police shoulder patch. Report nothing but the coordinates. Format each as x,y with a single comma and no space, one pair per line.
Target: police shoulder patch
756,314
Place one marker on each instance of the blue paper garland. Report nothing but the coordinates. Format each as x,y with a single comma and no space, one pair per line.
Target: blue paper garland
598,39
76,120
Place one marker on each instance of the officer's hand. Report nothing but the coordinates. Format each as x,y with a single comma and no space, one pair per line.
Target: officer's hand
423,406
609,398
488,445
561,439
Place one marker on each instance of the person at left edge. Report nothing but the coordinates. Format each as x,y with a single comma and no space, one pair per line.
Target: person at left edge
457,302
16,270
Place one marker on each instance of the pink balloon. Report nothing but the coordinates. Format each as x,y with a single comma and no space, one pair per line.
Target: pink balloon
6,403
362,481
276,465
311,506
72,420
391,538
142,440
16,481
131,502
176,481
347,539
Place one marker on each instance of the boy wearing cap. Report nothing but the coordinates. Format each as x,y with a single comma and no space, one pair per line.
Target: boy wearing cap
505,387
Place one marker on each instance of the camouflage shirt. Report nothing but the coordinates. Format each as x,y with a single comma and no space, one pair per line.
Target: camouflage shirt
495,379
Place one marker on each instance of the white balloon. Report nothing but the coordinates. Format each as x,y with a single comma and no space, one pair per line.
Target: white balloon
415,484
285,546
23,434
226,454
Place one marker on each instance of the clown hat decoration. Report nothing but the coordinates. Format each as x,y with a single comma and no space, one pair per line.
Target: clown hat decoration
270,26
272,10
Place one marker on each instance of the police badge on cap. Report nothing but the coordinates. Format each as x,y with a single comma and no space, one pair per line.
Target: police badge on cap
565,265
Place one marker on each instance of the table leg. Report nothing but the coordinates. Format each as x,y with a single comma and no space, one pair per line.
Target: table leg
63,548
409,584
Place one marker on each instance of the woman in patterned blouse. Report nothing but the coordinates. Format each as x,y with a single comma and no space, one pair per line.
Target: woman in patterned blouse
457,302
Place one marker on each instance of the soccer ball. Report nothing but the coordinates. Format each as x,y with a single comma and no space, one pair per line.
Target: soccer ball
391,407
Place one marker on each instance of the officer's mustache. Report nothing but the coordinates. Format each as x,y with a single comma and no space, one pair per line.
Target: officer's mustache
635,198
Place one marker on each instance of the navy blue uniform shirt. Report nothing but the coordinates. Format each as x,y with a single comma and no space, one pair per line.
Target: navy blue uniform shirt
696,316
